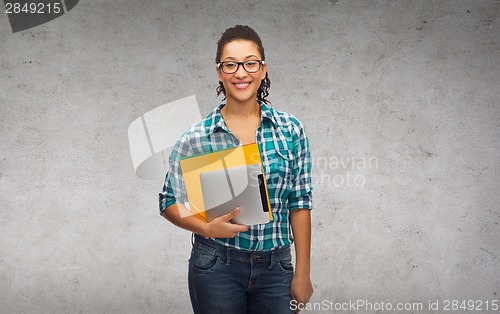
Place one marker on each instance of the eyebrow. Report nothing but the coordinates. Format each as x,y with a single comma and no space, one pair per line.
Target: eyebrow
247,57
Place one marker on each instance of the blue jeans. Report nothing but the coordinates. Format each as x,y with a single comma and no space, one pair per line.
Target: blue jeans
225,280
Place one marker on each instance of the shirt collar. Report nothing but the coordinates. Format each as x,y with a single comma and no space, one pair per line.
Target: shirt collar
218,120
268,113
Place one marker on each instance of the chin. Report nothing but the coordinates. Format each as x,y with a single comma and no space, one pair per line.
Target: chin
242,98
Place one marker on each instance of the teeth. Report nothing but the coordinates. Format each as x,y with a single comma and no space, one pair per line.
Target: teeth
241,84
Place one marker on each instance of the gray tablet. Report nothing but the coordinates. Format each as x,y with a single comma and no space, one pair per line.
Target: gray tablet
225,189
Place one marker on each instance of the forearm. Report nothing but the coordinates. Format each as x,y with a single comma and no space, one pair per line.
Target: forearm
186,220
220,227
300,220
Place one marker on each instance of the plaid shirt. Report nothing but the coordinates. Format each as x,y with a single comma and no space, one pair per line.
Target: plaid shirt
286,159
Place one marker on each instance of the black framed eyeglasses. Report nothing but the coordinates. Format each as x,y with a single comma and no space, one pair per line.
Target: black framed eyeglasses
230,67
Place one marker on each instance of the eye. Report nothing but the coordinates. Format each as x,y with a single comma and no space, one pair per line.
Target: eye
230,65
251,63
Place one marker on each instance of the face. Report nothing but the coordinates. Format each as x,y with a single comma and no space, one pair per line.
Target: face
241,86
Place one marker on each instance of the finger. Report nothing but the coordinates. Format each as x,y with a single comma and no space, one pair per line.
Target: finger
241,228
235,231
235,228
301,300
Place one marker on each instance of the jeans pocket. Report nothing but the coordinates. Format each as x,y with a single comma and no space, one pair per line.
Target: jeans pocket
286,265
203,257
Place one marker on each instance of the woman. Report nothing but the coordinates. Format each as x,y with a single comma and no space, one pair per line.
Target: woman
247,269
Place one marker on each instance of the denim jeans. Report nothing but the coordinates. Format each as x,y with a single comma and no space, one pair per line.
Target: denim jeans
226,280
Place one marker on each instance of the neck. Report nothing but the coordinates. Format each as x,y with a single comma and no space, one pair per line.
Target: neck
246,109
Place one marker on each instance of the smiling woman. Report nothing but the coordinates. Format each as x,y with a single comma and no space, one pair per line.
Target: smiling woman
240,85
247,269
243,33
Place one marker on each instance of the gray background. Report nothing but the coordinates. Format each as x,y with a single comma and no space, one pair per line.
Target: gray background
411,84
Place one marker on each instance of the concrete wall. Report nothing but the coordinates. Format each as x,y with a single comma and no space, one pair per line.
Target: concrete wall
399,98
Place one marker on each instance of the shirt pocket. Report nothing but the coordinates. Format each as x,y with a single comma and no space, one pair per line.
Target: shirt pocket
284,162
280,158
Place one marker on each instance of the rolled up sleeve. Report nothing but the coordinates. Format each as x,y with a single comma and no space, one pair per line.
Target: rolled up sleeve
300,195
173,188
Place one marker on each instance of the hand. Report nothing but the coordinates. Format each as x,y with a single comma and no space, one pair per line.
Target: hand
222,227
301,290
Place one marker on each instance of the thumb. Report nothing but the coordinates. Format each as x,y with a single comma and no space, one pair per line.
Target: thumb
232,214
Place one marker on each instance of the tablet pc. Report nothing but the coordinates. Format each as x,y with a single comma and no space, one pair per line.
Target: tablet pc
243,186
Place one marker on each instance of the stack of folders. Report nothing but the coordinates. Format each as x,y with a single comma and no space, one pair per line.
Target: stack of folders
216,183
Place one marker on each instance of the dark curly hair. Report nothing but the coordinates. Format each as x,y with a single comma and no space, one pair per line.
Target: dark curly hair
245,33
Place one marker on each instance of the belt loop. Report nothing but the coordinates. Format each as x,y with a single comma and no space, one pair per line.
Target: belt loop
192,238
228,256
272,259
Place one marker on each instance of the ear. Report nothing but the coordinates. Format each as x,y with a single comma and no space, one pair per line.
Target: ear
219,73
264,71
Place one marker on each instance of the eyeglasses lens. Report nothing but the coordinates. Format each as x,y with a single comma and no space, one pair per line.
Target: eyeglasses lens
249,66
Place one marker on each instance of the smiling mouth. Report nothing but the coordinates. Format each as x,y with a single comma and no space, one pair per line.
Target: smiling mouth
241,85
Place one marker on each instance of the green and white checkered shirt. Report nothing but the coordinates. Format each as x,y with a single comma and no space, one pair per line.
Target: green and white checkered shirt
286,158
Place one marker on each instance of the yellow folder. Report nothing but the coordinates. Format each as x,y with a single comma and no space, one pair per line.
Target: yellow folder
193,166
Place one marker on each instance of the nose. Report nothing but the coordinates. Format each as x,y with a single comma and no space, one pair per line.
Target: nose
241,73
